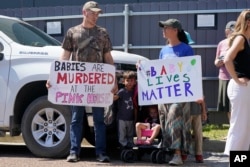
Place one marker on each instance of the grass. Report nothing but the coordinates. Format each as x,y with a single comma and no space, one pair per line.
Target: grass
211,131
215,132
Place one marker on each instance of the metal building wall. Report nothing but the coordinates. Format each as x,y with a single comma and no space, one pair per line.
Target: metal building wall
144,30
52,3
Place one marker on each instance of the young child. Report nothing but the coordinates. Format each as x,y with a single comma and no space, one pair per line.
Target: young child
152,122
198,114
125,110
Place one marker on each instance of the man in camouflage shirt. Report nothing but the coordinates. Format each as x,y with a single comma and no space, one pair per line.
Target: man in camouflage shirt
88,42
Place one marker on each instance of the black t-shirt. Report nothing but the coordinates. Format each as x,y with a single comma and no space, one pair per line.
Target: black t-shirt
241,61
125,105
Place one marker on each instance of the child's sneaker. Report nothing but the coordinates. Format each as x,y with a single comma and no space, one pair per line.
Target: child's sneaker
176,160
199,158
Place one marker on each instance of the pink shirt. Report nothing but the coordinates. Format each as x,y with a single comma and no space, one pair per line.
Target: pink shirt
221,51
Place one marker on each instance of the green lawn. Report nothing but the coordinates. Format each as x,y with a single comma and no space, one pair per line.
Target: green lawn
215,132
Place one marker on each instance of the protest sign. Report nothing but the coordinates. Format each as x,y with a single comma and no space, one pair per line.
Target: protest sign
81,83
170,80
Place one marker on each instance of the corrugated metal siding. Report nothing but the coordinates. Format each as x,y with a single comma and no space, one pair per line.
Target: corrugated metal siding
144,29
47,3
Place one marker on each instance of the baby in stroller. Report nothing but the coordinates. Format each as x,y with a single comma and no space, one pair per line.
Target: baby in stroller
148,130
148,135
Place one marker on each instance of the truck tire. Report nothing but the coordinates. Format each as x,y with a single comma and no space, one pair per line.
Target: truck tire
46,128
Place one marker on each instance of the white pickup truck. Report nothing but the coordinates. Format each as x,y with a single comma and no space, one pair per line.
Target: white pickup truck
26,54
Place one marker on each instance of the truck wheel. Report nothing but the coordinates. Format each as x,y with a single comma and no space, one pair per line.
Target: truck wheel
45,128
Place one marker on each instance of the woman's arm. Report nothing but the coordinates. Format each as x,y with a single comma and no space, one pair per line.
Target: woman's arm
237,45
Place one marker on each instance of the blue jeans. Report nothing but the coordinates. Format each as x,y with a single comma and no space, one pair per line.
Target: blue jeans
77,129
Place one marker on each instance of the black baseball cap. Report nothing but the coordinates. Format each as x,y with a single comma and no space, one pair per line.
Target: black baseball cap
171,23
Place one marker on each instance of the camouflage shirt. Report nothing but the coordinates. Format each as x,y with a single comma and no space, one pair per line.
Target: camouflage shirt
87,44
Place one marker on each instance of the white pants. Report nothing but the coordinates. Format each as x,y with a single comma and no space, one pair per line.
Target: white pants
238,137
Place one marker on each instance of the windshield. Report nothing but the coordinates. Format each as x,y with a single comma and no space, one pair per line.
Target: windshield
26,34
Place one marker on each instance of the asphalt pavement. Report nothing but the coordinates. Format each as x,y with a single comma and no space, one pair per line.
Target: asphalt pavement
213,157
16,156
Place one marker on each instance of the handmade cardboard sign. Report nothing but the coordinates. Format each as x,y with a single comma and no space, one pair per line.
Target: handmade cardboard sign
81,83
170,80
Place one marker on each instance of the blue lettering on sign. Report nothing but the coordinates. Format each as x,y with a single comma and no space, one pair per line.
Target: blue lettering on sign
169,91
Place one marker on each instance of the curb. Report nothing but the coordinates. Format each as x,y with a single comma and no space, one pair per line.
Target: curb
213,145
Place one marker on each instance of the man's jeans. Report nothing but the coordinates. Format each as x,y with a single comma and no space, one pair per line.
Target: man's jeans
77,129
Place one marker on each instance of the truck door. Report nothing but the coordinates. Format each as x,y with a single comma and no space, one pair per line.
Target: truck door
5,60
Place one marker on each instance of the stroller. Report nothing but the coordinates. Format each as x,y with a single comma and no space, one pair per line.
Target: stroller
157,154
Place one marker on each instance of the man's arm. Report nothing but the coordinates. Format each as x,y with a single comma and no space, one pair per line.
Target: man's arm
109,60
65,55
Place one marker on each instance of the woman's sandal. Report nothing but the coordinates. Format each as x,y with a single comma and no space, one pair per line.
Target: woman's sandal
147,142
139,142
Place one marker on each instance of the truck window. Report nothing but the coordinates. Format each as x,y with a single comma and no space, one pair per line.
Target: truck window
25,34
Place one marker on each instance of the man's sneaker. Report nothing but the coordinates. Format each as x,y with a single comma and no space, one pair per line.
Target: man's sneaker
176,160
72,158
102,158
199,158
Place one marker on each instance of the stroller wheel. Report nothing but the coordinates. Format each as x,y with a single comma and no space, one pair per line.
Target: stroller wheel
153,156
129,156
122,155
160,157
139,154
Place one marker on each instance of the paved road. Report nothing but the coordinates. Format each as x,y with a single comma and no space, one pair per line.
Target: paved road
14,153
19,156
